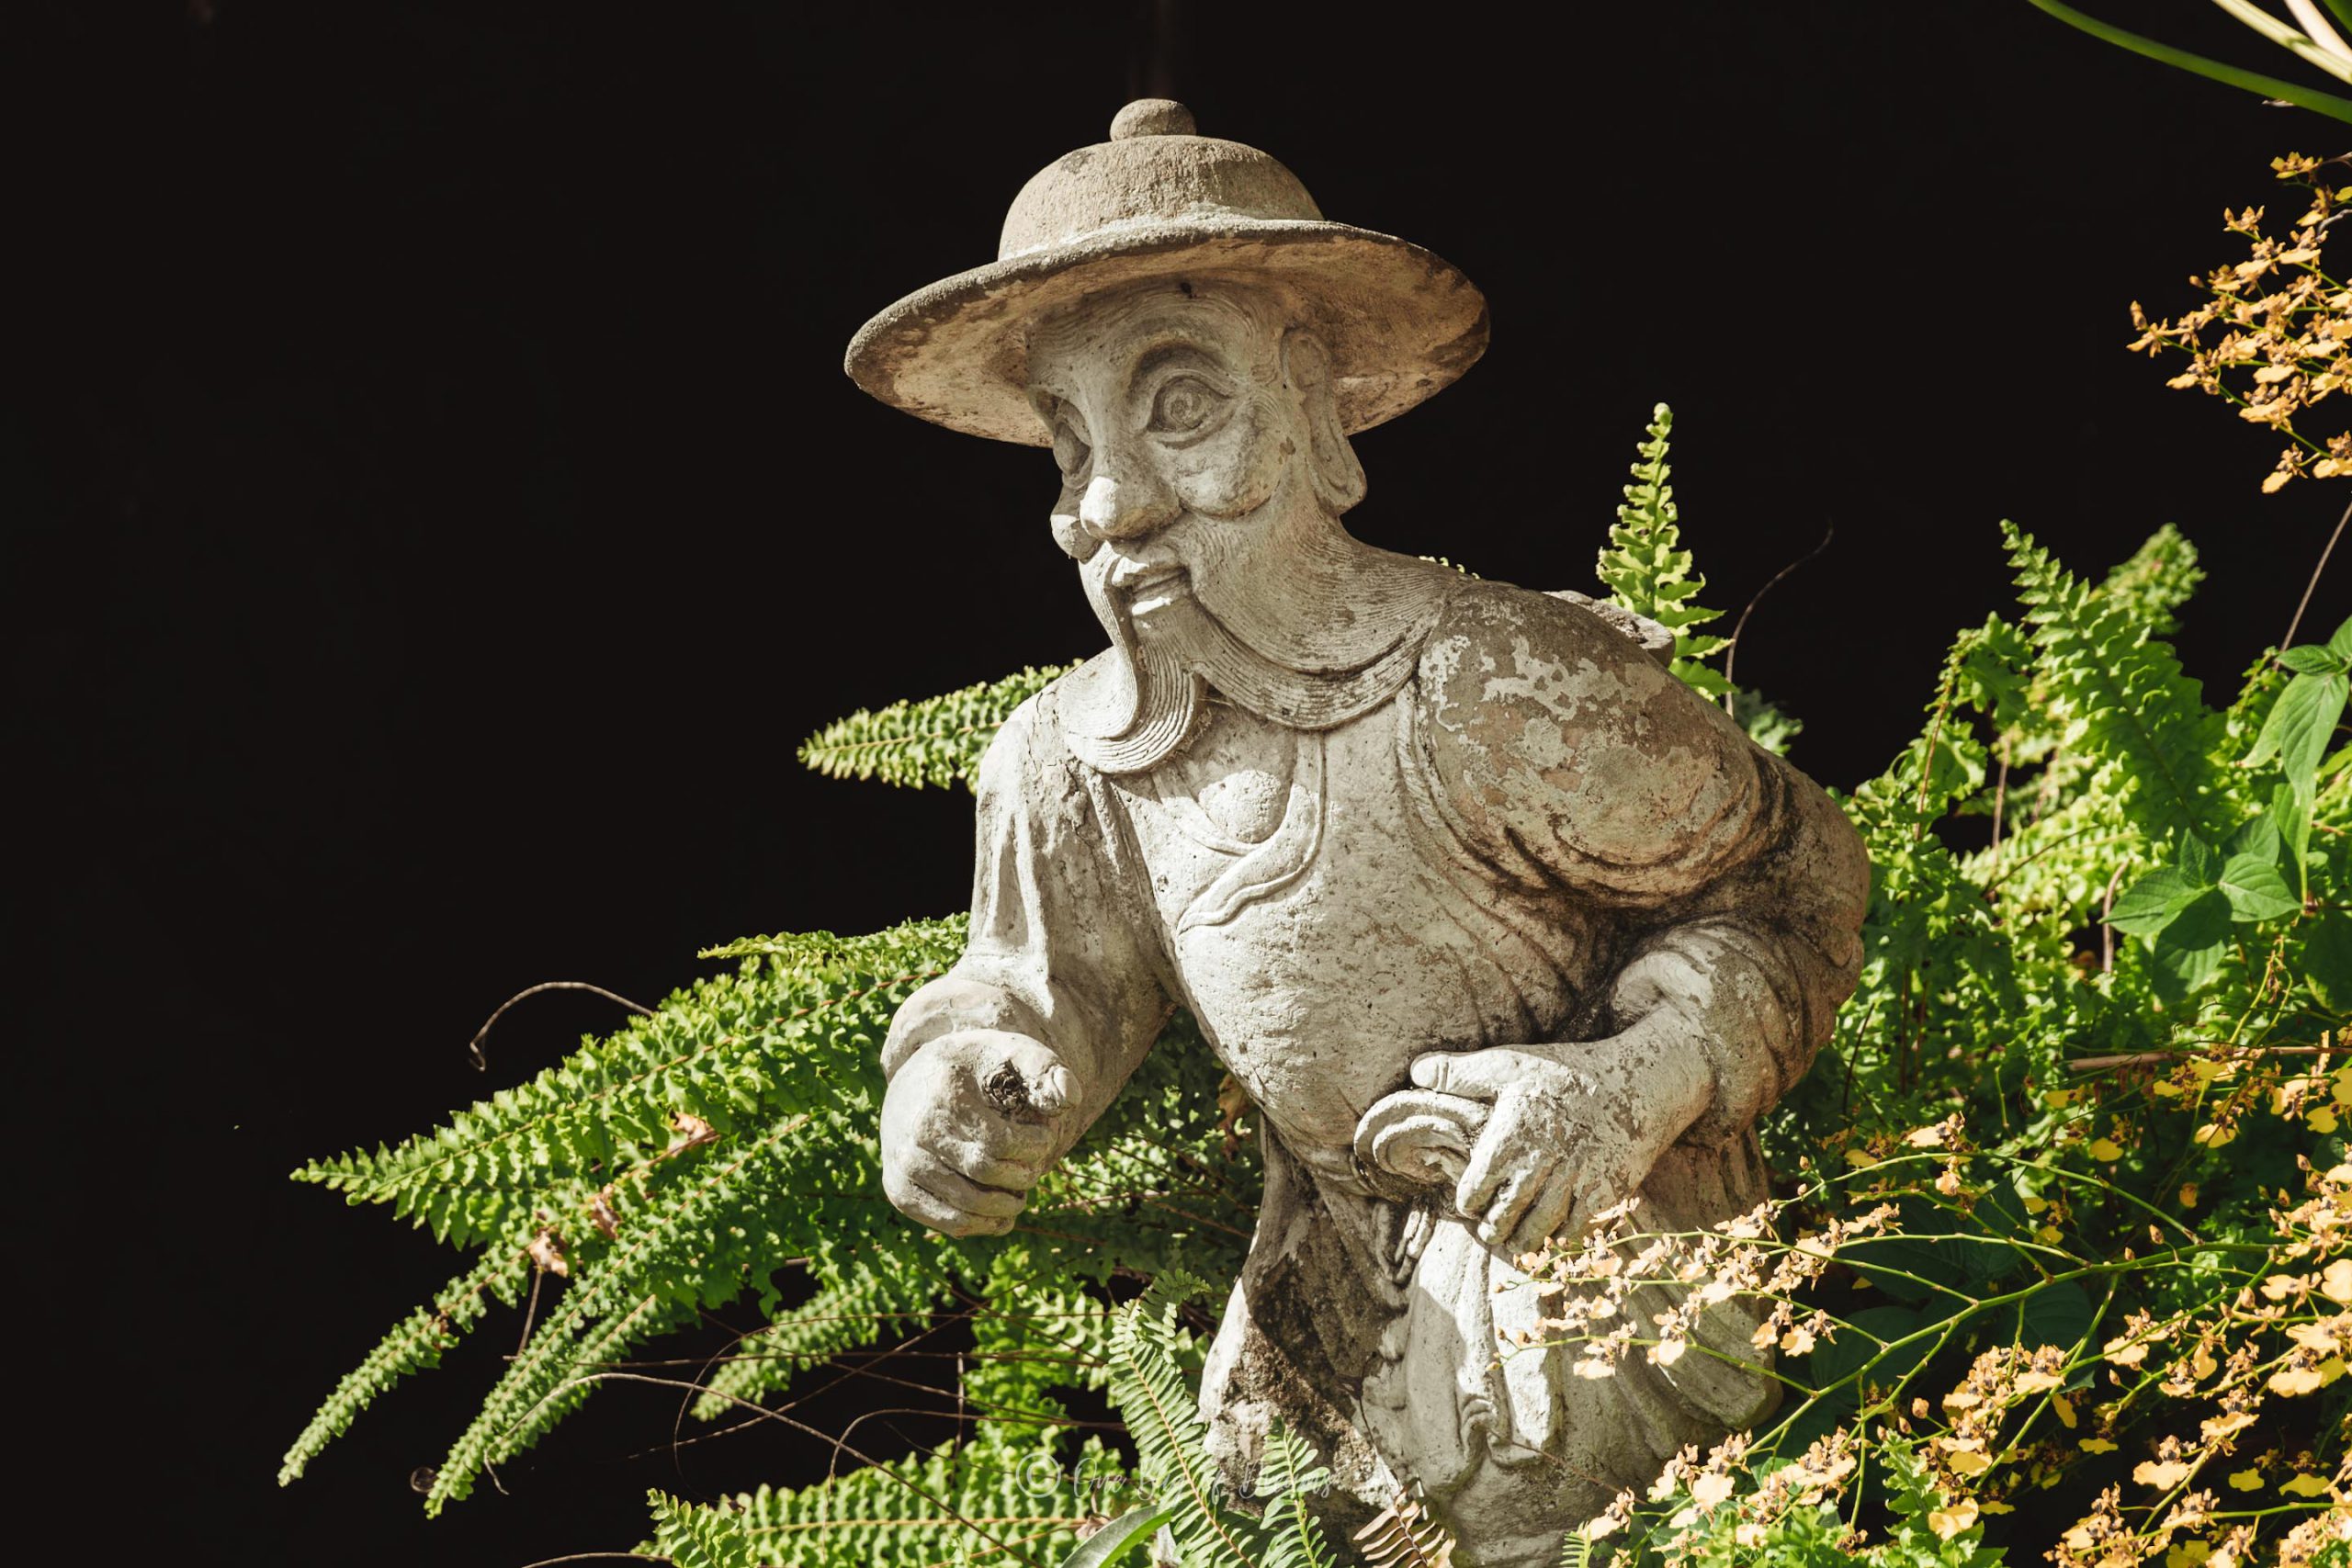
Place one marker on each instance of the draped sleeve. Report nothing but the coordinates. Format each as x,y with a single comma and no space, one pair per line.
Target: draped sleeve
1570,758
1058,951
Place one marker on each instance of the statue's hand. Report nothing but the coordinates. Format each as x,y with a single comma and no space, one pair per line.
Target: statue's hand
1561,1139
971,1121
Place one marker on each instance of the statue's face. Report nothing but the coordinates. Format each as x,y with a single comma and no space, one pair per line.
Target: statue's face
1176,435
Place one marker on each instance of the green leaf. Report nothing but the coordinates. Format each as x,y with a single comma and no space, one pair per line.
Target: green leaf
2327,960
2122,696
415,1345
1766,724
1927,1257
2299,727
1856,1346
2256,890
2151,904
2313,659
2198,861
930,742
1162,1412
1647,569
2188,952
2340,644
696,1537
1129,1529
2256,836
2059,1314
2271,87
2159,579
2291,821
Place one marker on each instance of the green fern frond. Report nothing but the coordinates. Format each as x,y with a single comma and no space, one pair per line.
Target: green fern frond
2161,576
994,1501
928,740
2120,693
1647,569
1289,1474
1162,1412
1163,1417
1038,1337
694,1537
628,1154
798,949
415,1345
847,1317
687,1159
1766,722
700,1245
728,1051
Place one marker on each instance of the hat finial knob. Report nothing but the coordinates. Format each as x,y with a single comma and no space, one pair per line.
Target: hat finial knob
1152,117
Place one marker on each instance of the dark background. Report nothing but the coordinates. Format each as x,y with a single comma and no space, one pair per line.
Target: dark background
437,514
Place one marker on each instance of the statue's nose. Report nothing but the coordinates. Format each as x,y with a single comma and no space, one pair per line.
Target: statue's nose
1129,509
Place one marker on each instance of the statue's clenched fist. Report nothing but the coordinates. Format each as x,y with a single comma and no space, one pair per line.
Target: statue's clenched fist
972,1120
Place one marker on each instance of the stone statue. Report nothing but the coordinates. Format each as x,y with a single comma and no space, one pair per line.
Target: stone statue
1496,921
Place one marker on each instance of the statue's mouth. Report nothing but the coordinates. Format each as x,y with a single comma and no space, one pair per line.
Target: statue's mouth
1147,586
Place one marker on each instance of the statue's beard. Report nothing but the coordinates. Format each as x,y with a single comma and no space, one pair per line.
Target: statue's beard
1150,696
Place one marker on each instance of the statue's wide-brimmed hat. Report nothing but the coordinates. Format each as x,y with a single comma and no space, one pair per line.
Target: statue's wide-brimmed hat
1159,201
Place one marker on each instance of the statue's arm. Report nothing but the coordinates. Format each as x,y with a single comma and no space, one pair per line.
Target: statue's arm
1057,985
1568,756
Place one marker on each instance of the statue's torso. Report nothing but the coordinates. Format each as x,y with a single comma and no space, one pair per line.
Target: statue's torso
1325,929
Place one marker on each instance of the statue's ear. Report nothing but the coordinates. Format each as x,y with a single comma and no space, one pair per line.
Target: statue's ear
1307,367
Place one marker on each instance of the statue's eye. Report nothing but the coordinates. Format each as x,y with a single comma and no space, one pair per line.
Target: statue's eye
1184,405
1071,449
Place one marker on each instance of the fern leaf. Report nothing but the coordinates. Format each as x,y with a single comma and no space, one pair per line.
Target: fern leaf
692,1250
1163,1417
1289,1475
867,1304
995,1501
691,1157
1766,722
1647,569
725,1051
694,1537
2160,578
415,1345
1034,1339
2120,693
931,741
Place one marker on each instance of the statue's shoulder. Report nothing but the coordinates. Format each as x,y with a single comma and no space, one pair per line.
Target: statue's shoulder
1489,623
1032,733
1076,700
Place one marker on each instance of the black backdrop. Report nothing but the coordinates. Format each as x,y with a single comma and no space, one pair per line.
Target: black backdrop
438,516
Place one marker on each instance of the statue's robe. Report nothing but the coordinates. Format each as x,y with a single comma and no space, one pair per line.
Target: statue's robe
1536,811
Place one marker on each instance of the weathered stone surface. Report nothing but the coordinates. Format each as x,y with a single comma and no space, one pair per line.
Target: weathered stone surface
1496,921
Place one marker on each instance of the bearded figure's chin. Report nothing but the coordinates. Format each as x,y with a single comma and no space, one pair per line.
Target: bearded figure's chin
1141,703
1148,697
1144,708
